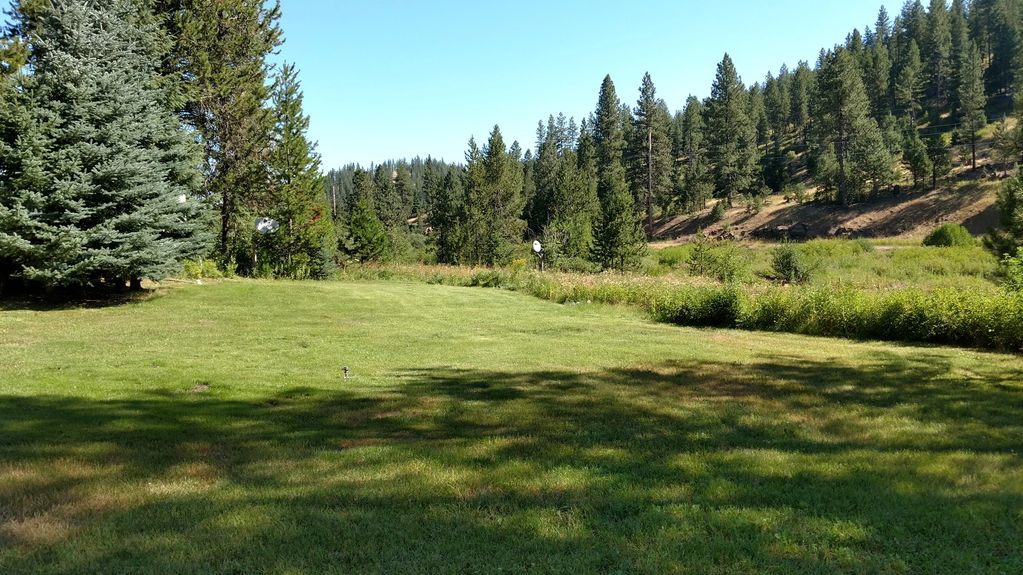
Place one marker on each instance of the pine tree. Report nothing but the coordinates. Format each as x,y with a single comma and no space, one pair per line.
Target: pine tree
367,240
695,181
306,241
938,47
405,190
650,148
387,202
504,181
493,202
916,157
970,99
221,70
618,238
563,208
365,237
102,192
960,33
802,88
758,115
908,86
845,129
877,76
446,217
1004,33
731,135
940,154
1009,239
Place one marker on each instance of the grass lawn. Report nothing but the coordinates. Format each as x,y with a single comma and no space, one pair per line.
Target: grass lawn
209,430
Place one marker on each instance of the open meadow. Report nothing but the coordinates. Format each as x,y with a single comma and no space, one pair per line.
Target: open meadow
210,429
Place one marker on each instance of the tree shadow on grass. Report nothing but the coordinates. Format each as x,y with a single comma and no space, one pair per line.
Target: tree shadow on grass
778,466
91,300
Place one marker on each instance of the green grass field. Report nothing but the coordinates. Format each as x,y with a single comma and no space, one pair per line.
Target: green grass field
208,430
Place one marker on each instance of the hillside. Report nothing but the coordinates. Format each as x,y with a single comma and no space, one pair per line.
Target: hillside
910,214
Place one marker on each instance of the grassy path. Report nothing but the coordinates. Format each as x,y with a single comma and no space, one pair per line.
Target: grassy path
209,430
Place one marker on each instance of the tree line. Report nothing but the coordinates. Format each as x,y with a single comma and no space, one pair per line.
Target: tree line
137,133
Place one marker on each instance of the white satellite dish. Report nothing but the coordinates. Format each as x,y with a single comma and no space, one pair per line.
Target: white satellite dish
267,225
537,247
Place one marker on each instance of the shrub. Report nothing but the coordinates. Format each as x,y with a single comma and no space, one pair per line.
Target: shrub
724,262
717,213
950,235
699,307
1012,271
794,265
675,256
797,193
202,269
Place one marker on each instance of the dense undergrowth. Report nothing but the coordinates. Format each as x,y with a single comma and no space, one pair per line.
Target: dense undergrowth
985,318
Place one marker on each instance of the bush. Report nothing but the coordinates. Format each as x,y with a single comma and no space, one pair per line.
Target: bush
1012,271
796,193
794,265
674,257
579,265
724,262
717,213
950,236
699,307
202,269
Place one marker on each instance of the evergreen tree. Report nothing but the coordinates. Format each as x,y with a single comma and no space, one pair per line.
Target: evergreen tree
802,93
960,34
387,203
618,239
845,130
101,191
305,243
405,190
221,70
878,69
731,135
650,148
365,238
970,99
695,181
445,219
1009,238
938,47
940,154
1003,28
367,241
493,202
504,180
563,207
908,85
758,115
916,157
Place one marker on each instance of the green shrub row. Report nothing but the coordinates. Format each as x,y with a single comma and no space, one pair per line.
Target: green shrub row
989,320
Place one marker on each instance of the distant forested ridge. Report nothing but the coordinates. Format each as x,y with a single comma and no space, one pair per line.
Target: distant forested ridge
907,96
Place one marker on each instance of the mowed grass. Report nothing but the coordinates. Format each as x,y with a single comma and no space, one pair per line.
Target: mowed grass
209,430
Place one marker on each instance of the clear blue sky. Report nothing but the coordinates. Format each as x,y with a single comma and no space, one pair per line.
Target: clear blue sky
391,79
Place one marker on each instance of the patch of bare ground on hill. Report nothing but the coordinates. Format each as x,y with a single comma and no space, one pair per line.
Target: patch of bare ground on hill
968,200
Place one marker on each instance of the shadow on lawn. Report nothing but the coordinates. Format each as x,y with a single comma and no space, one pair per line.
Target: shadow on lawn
780,466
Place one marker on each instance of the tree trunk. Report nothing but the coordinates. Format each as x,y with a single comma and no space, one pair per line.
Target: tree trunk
135,284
